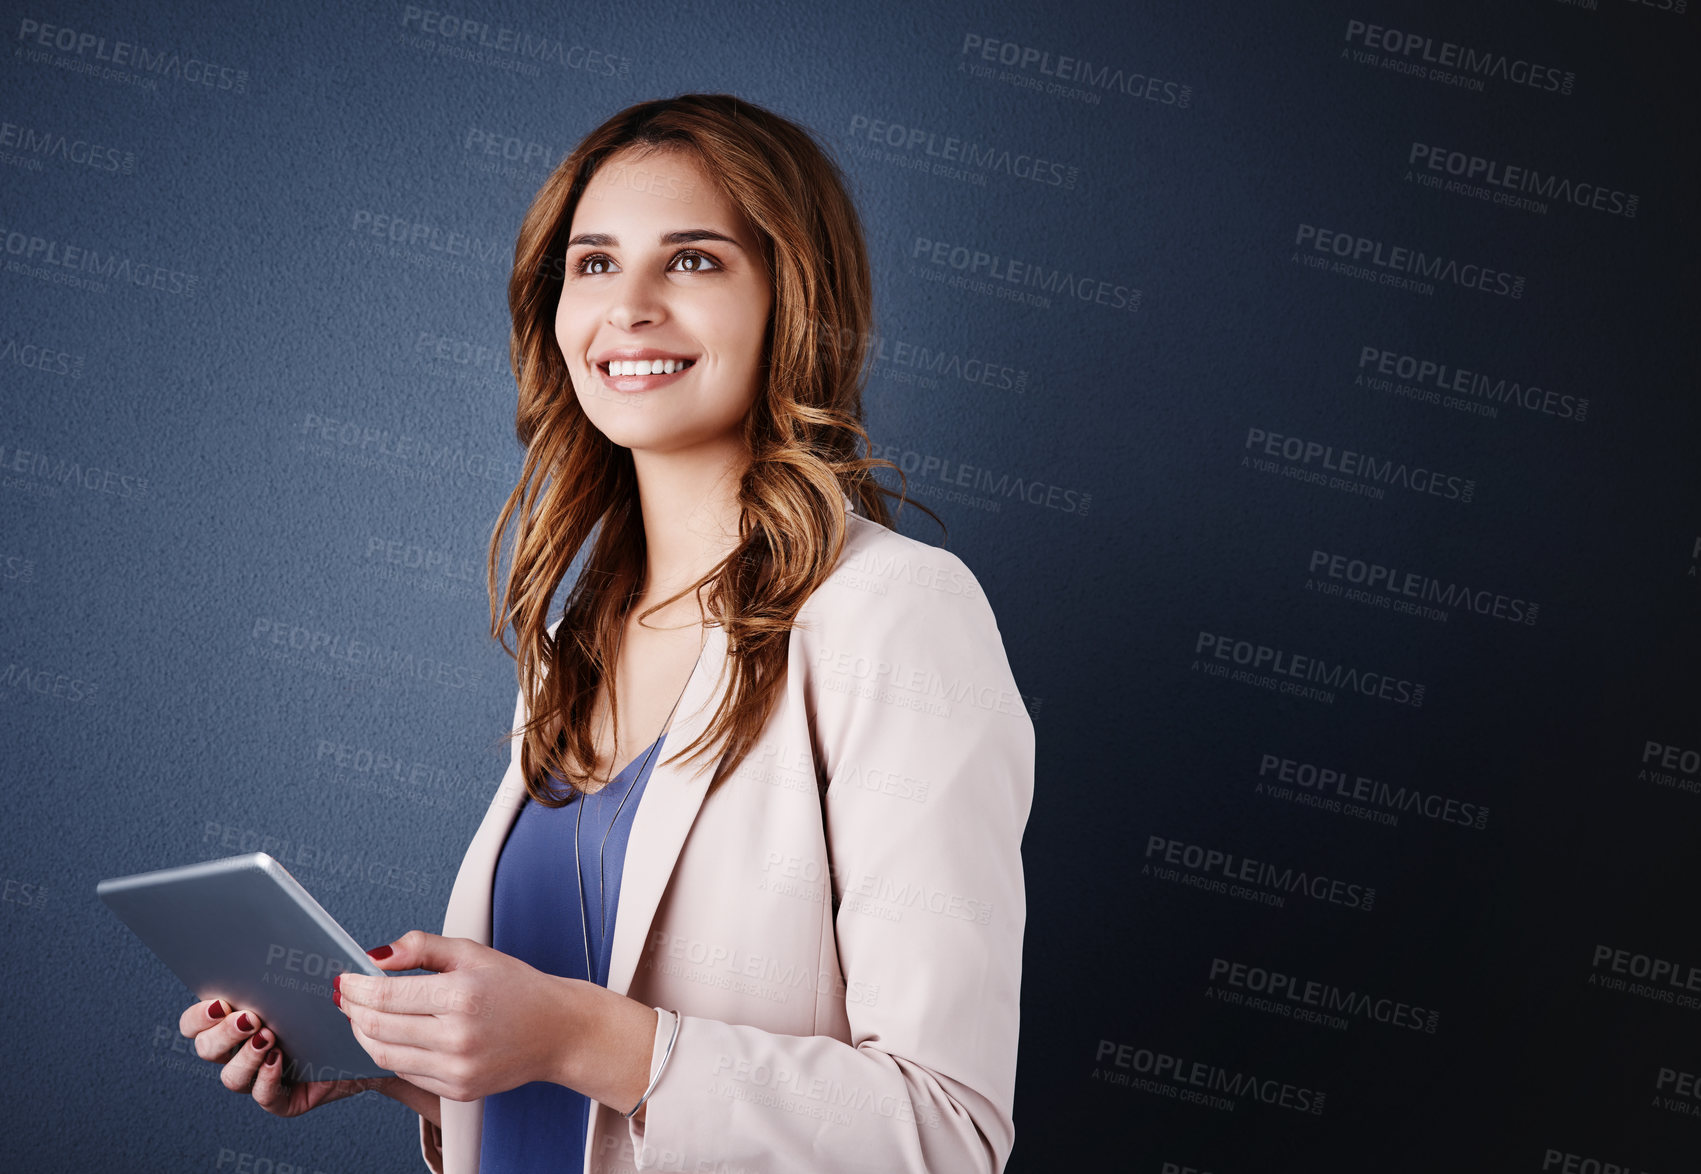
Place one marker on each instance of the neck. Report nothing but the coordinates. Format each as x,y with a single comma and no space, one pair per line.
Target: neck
689,503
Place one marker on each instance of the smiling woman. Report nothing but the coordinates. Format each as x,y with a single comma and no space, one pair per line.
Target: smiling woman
648,305
793,942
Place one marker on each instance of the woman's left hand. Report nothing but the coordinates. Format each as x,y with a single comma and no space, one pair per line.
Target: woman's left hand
484,1023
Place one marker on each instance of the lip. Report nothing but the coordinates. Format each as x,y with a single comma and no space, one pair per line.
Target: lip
632,353
631,383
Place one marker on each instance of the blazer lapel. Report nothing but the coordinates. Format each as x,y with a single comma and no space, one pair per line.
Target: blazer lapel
674,795
672,798
467,914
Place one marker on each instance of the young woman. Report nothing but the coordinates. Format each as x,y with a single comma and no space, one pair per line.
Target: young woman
750,894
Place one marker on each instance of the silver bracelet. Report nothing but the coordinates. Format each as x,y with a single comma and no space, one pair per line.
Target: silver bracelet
665,1055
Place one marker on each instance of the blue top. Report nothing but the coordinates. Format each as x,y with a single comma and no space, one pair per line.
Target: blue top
535,917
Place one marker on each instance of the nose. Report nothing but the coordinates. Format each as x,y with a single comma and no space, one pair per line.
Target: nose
637,301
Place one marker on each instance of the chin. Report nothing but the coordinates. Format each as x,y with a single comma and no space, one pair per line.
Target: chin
657,426
660,434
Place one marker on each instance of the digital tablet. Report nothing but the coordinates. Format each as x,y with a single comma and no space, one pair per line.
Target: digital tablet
243,930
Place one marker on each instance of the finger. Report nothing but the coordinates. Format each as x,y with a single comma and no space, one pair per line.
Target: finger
408,994
427,1032
400,1058
269,1087
238,1074
200,1016
431,1085
418,950
231,1032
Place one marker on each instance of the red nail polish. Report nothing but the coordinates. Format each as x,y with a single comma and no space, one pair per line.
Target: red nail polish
272,1056
337,982
260,1042
337,998
216,1010
379,953
243,1023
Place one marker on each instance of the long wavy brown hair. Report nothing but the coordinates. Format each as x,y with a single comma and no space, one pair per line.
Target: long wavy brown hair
804,434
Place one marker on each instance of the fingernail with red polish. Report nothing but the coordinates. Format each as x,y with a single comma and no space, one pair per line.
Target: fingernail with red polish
337,998
379,953
260,1042
243,1023
216,1010
272,1056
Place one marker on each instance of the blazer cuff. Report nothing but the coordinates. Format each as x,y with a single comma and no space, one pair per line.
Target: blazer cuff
431,1144
658,1049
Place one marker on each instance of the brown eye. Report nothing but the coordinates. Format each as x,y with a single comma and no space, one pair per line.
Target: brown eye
694,262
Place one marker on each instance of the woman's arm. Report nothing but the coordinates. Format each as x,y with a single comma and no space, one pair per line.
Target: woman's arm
611,1062
427,1104
487,1021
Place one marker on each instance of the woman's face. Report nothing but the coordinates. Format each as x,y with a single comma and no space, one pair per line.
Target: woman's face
663,271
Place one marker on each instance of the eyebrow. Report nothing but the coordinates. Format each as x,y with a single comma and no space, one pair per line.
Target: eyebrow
603,240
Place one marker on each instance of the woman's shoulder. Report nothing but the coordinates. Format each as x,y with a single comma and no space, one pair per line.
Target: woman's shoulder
884,579
902,621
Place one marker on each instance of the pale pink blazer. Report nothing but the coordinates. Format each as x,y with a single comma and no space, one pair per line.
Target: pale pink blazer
862,1018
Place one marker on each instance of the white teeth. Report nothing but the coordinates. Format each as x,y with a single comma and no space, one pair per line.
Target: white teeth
646,366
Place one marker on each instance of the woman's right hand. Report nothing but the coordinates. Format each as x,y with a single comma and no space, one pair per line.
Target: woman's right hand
253,1064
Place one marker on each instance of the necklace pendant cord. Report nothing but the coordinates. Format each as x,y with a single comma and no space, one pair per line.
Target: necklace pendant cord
578,818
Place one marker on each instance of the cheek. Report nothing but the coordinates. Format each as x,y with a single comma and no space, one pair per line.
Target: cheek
570,338
750,331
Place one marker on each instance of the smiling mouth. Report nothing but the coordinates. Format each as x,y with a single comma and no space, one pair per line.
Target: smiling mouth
626,368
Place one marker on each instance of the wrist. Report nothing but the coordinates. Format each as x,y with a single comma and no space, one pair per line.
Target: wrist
605,1048
426,1104
575,1037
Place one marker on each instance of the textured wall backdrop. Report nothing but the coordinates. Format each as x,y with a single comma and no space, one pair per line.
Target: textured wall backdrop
1312,387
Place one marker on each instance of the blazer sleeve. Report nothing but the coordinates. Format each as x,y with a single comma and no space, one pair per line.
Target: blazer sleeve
911,683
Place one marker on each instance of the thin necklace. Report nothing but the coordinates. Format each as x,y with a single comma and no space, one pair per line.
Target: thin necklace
578,819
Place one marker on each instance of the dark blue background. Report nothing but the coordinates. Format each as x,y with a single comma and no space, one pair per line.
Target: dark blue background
183,739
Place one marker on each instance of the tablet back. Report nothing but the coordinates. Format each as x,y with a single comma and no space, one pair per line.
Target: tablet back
243,930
